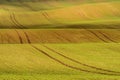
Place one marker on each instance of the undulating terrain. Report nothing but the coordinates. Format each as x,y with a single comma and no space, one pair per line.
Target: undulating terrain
59,39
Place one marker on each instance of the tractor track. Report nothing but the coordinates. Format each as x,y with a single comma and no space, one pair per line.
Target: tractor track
107,37
21,27
97,36
47,17
17,23
73,60
20,38
62,37
69,66
27,37
45,14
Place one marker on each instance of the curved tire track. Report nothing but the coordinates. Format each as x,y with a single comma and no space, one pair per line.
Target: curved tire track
107,37
17,23
21,27
73,60
97,36
20,38
69,66
27,37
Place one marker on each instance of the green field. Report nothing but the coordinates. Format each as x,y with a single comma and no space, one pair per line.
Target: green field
60,40
74,15
35,64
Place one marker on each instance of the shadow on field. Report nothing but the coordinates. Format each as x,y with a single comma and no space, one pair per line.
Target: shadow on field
60,26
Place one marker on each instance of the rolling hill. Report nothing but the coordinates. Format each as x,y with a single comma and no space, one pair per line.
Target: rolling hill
59,39
93,14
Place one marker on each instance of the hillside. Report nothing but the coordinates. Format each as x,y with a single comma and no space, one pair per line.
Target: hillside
53,61
93,14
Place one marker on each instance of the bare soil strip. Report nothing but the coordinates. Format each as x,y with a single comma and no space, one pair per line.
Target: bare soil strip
60,36
1,36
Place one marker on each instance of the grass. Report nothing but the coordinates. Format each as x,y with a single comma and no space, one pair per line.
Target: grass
33,64
56,77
